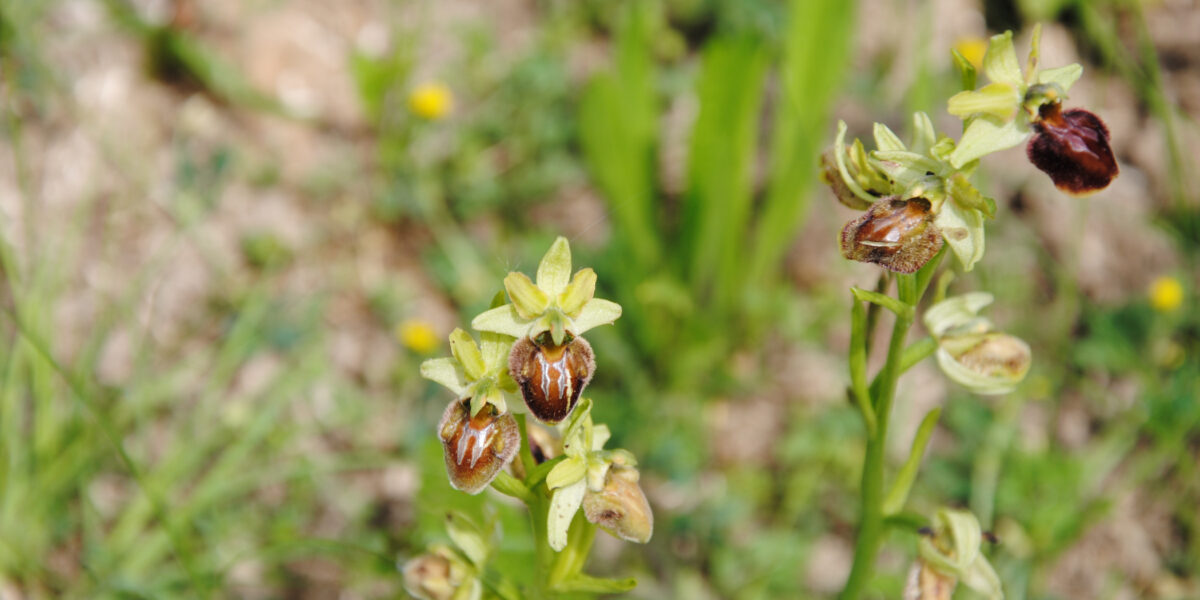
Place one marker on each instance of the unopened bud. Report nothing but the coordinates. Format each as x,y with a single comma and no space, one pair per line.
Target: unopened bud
620,507
438,575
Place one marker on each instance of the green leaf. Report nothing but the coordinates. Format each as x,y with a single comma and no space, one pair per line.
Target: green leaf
897,307
858,365
898,494
586,584
966,70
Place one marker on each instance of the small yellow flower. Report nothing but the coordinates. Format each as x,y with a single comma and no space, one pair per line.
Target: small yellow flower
418,336
972,49
431,101
1166,294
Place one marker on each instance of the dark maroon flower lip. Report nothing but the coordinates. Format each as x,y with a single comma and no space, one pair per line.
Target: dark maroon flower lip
476,448
898,235
1072,147
551,377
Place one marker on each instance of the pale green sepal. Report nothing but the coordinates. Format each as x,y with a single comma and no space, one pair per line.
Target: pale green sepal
566,472
961,529
581,289
986,134
962,228
563,506
839,157
447,372
468,536
976,382
503,320
596,312
1064,76
495,348
1000,100
955,312
885,139
463,347
573,429
907,169
924,135
1000,63
529,300
555,269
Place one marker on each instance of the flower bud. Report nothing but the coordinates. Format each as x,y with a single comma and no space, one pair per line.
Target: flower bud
620,507
926,583
551,377
1072,148
476,448
439,575
899,235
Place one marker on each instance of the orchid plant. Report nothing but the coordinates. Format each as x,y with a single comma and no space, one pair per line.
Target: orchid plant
918,199
531,359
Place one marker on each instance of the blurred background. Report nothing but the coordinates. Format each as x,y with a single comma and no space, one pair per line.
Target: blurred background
232,230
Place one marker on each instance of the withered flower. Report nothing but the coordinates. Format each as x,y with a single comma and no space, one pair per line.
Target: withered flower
620,507
441,574
899,235
550,376
478,447
1072,148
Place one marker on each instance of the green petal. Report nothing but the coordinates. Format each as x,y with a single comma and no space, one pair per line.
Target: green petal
563,507
986,134
463,347
1000,62
555,268
447,372
600,435
503,320
885,139
1065,77
596,312
962,228
581,289
1000,100
529,300
566,473
596,473
982,578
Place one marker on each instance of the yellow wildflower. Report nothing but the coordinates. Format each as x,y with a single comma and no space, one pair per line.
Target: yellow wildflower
1166,294
418,336
431,101
972,49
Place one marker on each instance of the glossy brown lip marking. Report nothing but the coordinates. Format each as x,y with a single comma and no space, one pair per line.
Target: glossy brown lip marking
898,235
551,377
1072,148
476,448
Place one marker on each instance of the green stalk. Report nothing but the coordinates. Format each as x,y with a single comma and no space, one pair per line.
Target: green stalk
910,290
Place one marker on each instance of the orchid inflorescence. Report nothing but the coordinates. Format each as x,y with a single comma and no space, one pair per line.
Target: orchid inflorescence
917,201
532,348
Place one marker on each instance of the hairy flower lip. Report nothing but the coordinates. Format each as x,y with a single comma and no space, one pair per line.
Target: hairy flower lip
1072,147
551,378
476,448
898,235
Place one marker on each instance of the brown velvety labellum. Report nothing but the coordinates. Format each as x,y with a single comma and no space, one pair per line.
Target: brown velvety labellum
476,448
551,377
898,235
1072,148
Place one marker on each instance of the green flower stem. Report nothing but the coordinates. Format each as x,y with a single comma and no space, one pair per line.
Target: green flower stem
910,290
570,561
